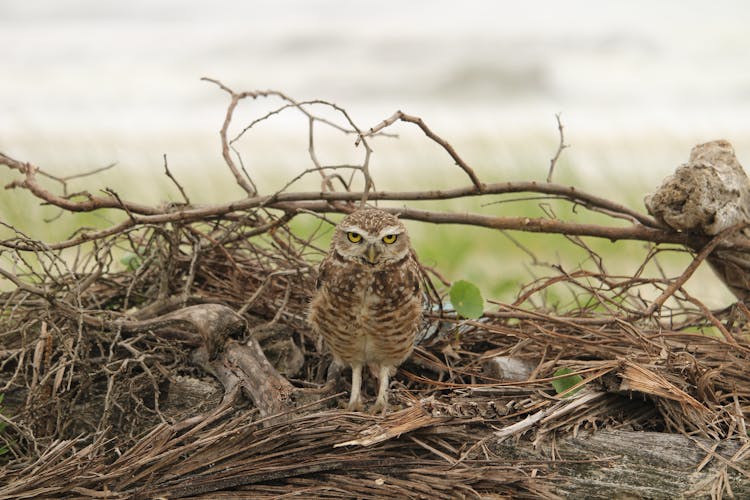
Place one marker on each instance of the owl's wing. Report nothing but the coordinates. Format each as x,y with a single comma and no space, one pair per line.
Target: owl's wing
413,277
324,272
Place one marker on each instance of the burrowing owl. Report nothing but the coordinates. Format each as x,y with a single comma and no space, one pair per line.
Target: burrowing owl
368,303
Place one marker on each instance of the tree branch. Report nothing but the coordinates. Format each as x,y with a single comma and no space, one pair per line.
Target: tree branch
560,147
399,115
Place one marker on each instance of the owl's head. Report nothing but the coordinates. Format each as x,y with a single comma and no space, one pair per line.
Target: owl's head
371,237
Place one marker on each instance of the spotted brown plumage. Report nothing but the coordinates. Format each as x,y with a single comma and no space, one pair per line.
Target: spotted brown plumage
368,303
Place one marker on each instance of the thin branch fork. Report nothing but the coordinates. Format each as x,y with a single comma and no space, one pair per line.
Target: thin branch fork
92,203
399,115
699,258
560,147
245,181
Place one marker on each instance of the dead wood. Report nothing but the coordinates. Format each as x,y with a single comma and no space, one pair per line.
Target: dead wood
709,196
234,364
630,464
271,393
103,353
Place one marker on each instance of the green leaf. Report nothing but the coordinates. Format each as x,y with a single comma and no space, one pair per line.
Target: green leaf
563,384
131,261
466,299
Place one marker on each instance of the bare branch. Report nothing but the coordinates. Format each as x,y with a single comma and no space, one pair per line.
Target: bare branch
93,202
399,115
560,147
169,174
243,181
699,258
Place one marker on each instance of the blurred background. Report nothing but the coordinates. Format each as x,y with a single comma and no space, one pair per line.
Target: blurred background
87,83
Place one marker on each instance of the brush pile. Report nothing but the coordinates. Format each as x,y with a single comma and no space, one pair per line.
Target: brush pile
167,356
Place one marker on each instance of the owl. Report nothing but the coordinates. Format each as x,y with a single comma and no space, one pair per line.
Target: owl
368,305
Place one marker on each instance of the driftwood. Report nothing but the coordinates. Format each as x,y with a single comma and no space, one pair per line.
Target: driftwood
710,196
208,327
628,464
101,364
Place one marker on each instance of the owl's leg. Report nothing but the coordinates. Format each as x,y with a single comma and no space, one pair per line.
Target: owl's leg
355,400
381,403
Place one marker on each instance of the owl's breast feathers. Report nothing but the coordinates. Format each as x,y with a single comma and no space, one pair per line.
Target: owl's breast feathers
367,313
389,285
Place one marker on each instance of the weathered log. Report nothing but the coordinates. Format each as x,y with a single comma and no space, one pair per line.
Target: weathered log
705,196
188,396
629,464
207,327
269,390
203,325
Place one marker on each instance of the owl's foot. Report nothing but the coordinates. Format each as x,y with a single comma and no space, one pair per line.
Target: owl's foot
355,405
380,406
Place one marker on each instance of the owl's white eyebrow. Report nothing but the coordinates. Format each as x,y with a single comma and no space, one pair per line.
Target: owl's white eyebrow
390,230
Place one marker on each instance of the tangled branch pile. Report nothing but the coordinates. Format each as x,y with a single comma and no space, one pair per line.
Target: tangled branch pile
168,355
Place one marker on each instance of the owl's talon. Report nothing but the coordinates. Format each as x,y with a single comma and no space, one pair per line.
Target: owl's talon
379,407
355,406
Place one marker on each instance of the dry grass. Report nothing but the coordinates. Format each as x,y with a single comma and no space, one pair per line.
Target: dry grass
88,416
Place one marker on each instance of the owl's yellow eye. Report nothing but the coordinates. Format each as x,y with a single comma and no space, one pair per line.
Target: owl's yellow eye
354,237
389,238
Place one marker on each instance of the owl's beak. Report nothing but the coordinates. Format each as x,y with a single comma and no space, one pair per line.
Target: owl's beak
372,254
